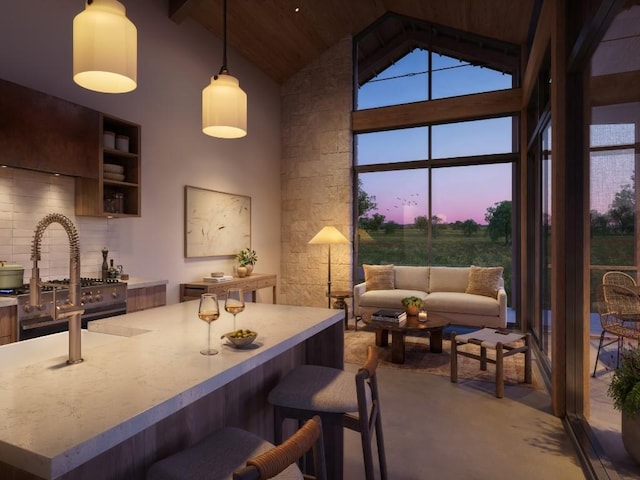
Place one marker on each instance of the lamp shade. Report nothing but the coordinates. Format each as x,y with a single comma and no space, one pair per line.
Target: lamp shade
224,108
105,48
330,235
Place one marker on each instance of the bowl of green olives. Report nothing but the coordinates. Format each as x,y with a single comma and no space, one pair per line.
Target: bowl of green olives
241,337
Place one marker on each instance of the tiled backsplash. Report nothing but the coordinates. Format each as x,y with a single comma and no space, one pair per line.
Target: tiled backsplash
25,198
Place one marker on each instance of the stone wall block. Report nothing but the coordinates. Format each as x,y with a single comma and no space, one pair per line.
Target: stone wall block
316,176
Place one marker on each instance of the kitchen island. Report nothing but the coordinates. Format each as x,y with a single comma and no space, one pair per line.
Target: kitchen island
144,391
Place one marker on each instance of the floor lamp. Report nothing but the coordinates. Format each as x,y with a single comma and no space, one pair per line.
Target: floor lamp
328,236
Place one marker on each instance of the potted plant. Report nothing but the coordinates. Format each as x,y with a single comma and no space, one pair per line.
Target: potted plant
247,258
625,392
412,305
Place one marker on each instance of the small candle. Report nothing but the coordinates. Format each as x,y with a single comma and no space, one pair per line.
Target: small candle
422,316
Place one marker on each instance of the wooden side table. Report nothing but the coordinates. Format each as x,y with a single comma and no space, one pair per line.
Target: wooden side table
255,281
340,303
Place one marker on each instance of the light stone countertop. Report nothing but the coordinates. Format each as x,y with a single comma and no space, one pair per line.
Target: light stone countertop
139,282
8,301
138,369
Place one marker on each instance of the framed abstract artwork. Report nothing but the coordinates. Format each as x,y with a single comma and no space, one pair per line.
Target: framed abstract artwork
215,223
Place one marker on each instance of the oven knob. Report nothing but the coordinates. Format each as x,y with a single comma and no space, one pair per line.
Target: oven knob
98,297
27,308
114,294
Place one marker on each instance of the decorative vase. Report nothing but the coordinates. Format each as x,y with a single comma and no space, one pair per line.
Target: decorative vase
241,271
249,268
631,435
412,310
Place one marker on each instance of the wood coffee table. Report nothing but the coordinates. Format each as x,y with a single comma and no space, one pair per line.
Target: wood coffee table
398,332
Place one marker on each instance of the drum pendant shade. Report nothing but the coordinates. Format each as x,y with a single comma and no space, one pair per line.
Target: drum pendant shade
224,108
224,103
105,48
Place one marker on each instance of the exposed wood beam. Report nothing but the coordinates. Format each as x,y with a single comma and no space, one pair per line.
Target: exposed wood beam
446,110
560,241
541,42
615,88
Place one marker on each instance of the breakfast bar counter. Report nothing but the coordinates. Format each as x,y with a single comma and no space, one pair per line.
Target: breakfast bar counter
144,390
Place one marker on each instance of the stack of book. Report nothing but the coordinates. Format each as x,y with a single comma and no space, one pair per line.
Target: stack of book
223,278
395,317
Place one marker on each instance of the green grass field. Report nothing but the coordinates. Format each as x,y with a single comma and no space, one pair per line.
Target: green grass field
408,246
451,247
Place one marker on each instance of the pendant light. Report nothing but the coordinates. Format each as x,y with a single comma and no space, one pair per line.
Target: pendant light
224,103
105,48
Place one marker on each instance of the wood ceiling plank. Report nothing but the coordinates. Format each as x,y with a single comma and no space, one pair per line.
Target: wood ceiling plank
180,9
270,34
505,20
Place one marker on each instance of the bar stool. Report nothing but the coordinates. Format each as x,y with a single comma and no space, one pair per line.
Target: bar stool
336,397
232,453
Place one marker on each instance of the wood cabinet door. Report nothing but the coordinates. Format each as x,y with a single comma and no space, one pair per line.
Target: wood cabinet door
48,134
8,325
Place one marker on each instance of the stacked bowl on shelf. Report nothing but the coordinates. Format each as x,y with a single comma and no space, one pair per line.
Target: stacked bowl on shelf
113,172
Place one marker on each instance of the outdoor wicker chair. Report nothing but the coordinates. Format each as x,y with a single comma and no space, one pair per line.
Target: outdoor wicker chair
619,278
619,310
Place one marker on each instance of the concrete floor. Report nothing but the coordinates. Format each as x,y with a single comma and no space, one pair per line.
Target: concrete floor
437,429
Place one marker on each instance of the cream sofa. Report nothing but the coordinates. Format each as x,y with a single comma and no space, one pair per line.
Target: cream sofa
444,292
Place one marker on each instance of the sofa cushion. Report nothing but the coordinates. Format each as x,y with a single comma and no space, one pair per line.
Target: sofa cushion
484,281
457,302
379,277
448,279
412,278
391,299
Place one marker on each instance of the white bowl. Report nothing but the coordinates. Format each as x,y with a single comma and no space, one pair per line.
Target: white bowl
118,177
241,341
112,168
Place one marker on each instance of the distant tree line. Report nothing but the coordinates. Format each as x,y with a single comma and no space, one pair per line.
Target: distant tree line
498,218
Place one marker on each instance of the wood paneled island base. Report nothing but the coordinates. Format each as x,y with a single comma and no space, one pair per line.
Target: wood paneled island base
240,402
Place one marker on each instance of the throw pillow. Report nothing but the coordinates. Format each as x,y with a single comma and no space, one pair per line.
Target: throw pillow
484,281
379,277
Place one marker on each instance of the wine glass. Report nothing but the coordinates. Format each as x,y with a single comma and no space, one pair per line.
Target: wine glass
208,311
234,303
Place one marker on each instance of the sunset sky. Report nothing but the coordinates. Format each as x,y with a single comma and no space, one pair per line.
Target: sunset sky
460,193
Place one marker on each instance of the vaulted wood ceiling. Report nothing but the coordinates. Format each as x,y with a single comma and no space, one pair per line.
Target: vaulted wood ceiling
281,41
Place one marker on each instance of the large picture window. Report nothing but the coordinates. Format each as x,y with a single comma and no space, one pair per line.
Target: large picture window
438,193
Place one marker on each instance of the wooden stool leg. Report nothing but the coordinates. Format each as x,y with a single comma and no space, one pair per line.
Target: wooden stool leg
527,359
499,371
454,358
483,358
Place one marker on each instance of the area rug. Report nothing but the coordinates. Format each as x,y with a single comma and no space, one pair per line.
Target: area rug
420,359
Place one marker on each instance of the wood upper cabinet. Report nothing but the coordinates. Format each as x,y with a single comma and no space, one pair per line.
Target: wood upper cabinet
48,134
116,190
45,133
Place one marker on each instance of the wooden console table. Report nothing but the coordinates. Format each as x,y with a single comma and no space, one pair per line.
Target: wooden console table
252,283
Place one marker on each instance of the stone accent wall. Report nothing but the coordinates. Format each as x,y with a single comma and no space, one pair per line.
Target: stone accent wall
316,176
